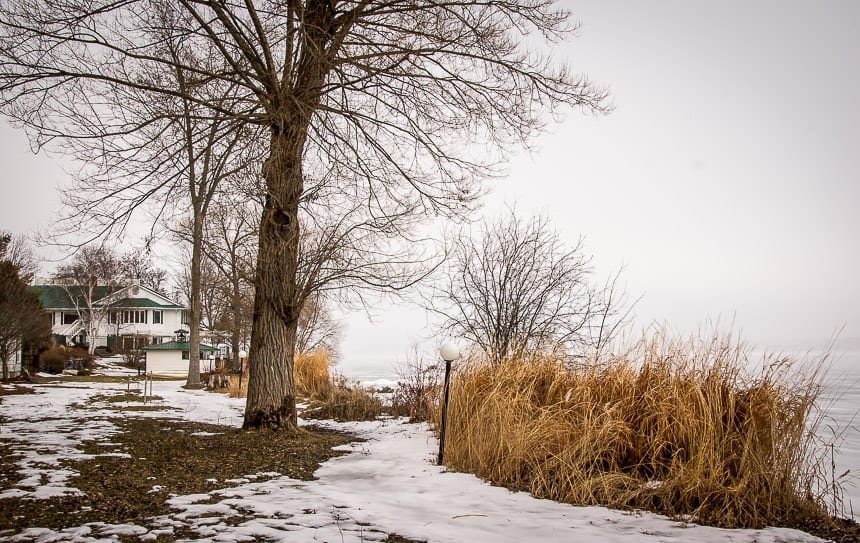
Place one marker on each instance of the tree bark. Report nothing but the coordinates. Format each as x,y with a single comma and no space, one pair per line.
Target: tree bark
194,324
236,302
271,389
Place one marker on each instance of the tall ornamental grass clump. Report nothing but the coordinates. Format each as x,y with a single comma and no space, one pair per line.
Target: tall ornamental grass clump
680,428
311,372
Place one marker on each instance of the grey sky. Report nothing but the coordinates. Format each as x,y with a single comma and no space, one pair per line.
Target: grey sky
726,179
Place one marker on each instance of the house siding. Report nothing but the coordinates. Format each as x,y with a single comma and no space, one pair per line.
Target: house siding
169,363
56,301
14,364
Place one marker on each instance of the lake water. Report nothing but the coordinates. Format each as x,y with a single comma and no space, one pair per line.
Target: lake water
840,400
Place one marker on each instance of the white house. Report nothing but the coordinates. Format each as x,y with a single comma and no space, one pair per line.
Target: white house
171,358
13,366
130,317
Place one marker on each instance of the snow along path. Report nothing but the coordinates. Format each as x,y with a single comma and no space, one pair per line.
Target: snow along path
388,484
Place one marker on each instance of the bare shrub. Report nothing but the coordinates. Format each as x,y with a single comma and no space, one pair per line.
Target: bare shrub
345,401
680,428
417,390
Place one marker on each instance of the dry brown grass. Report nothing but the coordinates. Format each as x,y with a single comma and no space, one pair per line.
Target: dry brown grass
235,391
345,401
675,427
332,398
311,372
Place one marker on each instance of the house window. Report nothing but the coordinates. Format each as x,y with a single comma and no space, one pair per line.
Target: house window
186,355
186,317
134,316
113,317
53,318
157,317
69,318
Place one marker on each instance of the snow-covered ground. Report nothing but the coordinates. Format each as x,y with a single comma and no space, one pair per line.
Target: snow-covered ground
388,484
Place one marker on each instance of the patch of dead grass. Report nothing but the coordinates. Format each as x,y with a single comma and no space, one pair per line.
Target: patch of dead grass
168,454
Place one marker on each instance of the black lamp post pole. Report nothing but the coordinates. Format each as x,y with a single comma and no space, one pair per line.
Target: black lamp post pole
241,373
444,411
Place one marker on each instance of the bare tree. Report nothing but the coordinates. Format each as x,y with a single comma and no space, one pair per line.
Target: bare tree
318,329
401,107
230,245
16,249
171,163
89,281
137,267
211,287
515,288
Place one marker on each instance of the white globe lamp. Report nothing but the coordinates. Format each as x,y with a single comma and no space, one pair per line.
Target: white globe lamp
449,351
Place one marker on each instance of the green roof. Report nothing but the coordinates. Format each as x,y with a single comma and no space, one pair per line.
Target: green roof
176,346
142,302
57,297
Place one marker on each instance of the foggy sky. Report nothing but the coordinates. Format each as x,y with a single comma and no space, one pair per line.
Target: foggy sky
725,181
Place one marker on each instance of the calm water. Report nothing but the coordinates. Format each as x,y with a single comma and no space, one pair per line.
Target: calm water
841,401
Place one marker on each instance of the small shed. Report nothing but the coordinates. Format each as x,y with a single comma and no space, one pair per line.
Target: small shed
171,358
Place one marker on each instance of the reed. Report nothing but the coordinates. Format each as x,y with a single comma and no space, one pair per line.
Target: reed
234,391
682,428
311,373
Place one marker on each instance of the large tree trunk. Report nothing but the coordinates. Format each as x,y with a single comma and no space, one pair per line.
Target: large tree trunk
194,324
277,304
271,389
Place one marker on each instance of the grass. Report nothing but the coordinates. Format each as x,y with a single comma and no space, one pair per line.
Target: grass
100,378
117,490
679,428
15,389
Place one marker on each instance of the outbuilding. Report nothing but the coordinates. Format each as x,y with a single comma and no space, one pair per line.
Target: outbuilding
171,358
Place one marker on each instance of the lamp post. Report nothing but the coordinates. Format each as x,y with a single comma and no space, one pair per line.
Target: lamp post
242,355
449,353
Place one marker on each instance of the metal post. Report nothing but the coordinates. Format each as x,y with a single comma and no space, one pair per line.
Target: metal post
241,373
444,411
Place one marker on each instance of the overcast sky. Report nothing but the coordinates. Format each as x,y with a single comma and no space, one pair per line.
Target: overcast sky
726,179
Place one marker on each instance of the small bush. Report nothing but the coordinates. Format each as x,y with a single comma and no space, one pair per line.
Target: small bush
678,428
56,359
53,360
